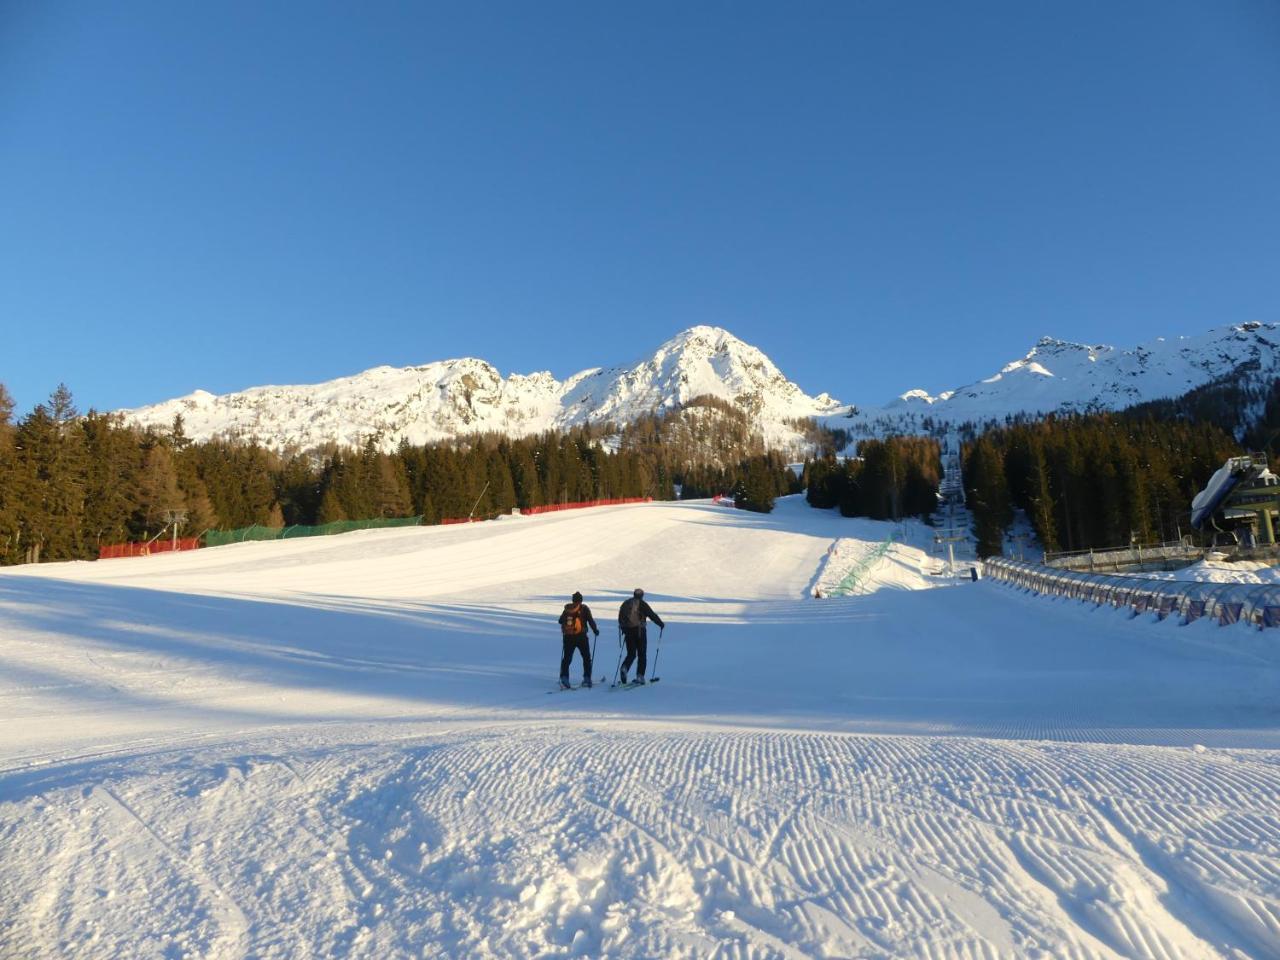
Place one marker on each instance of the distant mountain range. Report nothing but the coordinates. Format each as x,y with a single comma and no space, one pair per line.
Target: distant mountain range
1057,376
450,398
453,397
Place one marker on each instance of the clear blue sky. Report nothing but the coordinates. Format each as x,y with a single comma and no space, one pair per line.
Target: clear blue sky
880,195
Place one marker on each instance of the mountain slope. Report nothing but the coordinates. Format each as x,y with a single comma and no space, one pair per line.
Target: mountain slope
453,398
456,397
1058,376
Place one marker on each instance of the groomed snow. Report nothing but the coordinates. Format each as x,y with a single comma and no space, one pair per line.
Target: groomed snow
1219,571
345,747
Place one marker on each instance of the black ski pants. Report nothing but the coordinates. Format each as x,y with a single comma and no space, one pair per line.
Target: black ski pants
580,644
637,646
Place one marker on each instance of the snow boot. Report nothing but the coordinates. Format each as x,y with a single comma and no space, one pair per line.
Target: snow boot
639,682
564,684
622,679
586,682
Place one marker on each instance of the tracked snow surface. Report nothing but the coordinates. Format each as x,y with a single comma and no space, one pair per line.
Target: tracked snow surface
344,747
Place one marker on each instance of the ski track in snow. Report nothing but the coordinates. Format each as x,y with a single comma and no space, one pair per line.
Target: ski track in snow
344,748
536,841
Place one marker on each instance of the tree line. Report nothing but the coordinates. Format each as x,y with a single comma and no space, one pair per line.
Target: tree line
1082,481
888,479
1089,481
71,483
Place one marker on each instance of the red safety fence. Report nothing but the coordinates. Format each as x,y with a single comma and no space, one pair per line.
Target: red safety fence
552,507
114,550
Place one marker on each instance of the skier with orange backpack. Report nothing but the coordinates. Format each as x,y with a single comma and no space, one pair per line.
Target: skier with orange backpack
574,621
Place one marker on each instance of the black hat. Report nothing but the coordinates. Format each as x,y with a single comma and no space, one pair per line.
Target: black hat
577,597
638,593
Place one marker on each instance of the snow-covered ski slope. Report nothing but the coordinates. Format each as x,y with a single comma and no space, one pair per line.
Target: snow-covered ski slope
344,747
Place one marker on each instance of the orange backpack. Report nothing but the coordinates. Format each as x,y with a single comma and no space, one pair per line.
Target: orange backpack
573,624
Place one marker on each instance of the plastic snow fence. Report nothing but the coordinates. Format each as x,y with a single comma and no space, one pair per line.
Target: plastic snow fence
219,538
1188,600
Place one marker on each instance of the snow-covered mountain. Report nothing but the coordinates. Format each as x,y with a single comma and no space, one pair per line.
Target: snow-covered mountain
450,398
455,397
1058,376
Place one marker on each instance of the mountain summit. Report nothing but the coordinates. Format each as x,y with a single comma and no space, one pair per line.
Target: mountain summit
450,398
1057,376
453,398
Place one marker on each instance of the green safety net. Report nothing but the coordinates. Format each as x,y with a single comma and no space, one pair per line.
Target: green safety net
853,579
218,538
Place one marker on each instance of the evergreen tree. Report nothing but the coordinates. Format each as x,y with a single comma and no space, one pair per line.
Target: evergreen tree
9,503
157,490
755,489
987,491
111,480
391,493
331,509
49,481
1039,497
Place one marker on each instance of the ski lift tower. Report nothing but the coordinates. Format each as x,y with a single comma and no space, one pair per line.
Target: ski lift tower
175,519
953,526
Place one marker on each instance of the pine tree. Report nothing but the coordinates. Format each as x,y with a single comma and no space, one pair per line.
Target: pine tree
1039,504
391,496
157,491
988,496
9,529
111,480
330,507
755,490
49,481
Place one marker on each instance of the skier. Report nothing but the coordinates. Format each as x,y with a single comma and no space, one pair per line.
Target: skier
574,622
631,618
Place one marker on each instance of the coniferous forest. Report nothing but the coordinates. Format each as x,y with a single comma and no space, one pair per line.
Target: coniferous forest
71,483
889,479
1100,480
1095,480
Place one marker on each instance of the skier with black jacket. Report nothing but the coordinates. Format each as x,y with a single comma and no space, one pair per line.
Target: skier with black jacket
574,621
632,616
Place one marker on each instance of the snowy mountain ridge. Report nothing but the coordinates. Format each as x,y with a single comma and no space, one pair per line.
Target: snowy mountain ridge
450,398
1057,376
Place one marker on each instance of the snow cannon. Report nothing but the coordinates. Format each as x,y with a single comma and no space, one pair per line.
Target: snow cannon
1242,492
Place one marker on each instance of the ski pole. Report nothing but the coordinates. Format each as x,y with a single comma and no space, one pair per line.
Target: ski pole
657,653
591,671
618,668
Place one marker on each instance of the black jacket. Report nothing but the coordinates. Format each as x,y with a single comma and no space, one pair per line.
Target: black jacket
646,613
587,619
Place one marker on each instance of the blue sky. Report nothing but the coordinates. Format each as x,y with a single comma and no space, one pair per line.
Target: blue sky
880,195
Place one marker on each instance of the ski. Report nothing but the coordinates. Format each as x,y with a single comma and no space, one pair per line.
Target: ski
577,686
633,685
